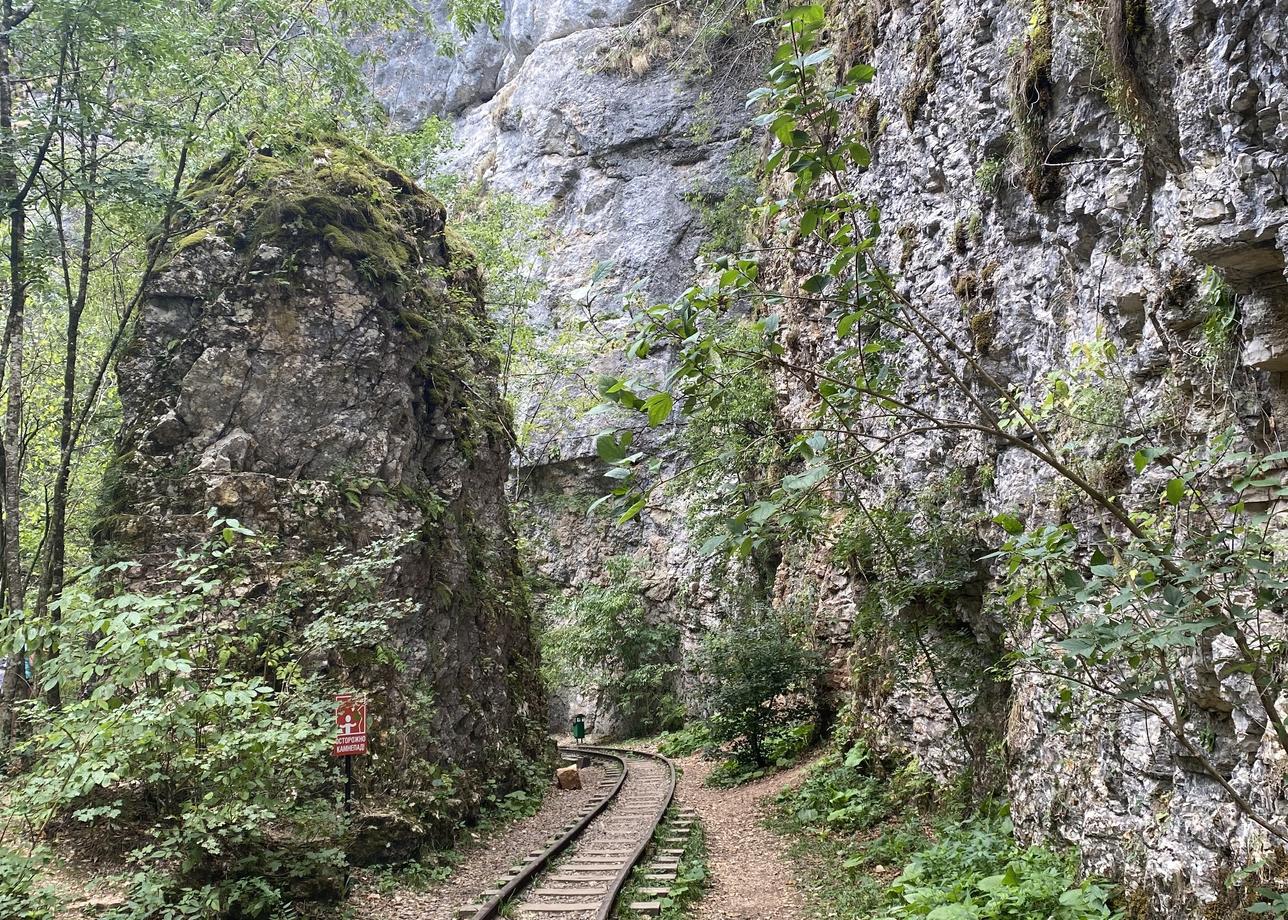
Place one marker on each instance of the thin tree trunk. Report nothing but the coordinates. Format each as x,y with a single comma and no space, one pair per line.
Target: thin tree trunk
54,571
15,194
15,595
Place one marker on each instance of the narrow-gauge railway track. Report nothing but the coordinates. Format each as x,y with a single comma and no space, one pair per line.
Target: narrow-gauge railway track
584,867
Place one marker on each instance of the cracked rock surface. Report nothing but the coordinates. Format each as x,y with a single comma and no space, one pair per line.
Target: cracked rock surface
328,387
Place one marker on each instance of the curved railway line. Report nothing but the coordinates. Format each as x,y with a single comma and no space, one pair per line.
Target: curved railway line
584,867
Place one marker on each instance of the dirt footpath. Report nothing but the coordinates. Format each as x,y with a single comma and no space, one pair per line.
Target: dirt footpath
751,875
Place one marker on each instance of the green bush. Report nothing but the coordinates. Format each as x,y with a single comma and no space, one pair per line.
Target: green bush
694,737
783,745
604,637
202,715
857,812
759,682
850,790
976,871
20,897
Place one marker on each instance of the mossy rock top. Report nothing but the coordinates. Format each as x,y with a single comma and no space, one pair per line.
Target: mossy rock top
275,208
325,190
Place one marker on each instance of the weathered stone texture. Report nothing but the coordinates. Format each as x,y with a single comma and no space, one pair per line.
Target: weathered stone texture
314,360
1139,201
625,147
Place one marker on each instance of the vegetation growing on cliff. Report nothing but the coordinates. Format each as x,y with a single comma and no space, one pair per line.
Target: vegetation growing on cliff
602,637
1173,553
691,38
1031,101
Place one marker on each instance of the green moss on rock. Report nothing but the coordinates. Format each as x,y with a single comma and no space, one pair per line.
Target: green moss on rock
331,193
195,238
925,69
1031,102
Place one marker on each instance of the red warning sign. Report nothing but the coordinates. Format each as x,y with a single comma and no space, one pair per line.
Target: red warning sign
350,726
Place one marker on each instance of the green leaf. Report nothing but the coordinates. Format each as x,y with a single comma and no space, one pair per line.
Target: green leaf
633,511
609,450
860,73
815,284
952,912
1080,648
808,479
991,883
805,14
847,323
782,129
1010,523
713,545
1175,491
659,407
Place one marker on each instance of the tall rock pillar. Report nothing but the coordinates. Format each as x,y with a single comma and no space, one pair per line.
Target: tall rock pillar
315,361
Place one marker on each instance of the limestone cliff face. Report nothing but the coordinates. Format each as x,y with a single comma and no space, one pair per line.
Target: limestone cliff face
1030,209
314,361
593,111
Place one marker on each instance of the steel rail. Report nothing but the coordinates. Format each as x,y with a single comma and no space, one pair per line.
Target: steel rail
492,907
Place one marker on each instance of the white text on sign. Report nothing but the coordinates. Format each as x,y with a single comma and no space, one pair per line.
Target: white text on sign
350,726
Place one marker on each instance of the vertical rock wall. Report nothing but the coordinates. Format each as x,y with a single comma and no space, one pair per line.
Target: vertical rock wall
1052,173
606,115
314,361
1048,173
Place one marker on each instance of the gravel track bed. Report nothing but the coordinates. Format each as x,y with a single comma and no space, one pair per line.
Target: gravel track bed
484,860
613,829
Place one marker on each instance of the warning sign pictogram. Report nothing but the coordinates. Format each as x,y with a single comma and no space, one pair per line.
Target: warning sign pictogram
350,726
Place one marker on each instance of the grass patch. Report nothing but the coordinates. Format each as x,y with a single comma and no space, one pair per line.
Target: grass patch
416,876
691,878
876,840
685,741
784,748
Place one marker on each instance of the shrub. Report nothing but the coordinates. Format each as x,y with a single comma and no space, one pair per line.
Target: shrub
694,737
977,872
201,714
604,637
20,897
847,791
783,746
758,679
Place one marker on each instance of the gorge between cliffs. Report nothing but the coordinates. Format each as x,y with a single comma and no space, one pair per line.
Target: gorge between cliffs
866,412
